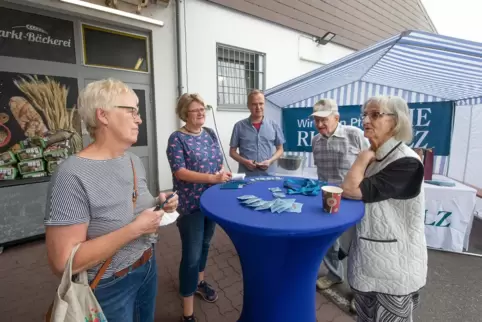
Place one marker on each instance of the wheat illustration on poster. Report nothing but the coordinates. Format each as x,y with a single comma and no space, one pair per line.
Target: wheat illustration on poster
38,121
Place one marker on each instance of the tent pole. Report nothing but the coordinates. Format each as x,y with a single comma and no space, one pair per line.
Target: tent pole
454,252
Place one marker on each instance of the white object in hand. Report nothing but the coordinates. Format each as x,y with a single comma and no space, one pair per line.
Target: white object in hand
238,176
168,218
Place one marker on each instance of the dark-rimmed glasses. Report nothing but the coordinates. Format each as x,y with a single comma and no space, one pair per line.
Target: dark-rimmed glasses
133,110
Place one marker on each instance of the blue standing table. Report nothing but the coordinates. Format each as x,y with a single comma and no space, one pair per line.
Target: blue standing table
280,254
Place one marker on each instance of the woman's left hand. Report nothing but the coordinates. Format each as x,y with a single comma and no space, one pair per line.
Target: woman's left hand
171,204
368,156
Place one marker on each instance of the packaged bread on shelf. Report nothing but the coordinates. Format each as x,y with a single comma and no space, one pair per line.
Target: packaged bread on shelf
34,175
7,158
30,166
30,153
8,173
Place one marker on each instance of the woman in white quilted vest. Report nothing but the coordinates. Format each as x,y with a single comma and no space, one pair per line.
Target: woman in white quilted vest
388,257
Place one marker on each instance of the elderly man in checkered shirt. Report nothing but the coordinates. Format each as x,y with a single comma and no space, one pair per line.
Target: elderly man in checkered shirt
335,149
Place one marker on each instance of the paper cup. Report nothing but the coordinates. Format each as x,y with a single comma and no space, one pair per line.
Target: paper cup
331,198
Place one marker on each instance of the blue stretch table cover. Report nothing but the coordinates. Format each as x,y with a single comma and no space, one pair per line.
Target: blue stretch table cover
280,254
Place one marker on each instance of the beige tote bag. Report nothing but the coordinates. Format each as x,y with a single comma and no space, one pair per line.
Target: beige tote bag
75,301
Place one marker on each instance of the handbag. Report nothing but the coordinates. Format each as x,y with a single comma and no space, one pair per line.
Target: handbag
426,156
75,301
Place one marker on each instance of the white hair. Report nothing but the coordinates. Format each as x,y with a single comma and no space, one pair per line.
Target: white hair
399,108
99,94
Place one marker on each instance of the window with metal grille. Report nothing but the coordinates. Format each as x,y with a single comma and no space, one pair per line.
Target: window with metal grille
238,71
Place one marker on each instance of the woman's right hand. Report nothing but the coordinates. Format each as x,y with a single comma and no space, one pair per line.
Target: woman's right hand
221,177
148,221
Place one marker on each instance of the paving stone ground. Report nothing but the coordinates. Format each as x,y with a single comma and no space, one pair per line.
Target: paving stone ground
27,285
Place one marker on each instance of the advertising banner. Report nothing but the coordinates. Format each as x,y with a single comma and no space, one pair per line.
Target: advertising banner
432,125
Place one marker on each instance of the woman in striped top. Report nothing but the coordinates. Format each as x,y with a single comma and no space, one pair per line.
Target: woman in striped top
99,198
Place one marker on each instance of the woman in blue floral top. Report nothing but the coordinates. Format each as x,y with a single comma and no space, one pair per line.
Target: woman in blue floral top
196,163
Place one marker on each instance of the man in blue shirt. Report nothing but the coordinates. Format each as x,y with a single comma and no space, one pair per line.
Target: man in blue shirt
259,140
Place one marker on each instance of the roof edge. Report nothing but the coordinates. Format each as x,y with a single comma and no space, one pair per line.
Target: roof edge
425,12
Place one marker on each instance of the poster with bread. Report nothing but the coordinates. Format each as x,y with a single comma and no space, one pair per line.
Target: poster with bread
39,123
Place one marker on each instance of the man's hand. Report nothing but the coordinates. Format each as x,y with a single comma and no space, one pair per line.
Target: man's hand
250,165
264,165
171,204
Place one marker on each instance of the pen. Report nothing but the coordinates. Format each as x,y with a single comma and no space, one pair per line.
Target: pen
160,206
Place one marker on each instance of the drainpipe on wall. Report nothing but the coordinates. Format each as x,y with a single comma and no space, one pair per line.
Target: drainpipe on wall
180,87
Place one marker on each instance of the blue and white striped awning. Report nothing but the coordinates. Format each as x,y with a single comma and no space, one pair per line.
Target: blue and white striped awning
415,61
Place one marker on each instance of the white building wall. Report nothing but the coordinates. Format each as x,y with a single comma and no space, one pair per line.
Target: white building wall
288,54
164,56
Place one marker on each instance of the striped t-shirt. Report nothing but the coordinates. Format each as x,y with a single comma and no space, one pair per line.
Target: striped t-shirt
99,192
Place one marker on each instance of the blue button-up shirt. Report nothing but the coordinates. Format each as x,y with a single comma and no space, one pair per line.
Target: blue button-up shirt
257,145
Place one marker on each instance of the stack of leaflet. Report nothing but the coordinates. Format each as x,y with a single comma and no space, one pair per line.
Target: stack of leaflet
276,205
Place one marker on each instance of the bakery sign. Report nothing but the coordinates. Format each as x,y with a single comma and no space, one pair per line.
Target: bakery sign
33,36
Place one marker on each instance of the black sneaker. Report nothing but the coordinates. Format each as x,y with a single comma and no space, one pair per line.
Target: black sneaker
207,292
191,318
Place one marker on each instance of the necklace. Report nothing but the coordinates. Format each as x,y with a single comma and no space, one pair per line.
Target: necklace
184,127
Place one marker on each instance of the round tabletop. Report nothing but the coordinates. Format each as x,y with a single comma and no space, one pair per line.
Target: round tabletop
223,206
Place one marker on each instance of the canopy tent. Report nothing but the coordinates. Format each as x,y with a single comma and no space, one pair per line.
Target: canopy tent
413,62
419,66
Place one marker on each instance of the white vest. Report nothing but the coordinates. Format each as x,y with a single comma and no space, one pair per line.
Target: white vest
394,258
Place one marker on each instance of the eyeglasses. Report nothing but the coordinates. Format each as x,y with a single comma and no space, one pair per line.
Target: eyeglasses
198,111
373,115
133,110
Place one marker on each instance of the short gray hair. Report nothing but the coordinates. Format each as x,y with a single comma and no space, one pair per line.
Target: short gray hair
399,108
99,94
254,92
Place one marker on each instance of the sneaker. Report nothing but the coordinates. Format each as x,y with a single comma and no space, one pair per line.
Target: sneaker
207,292
352,306
191,318
324,283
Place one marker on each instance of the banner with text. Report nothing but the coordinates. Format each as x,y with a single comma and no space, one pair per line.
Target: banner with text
432,125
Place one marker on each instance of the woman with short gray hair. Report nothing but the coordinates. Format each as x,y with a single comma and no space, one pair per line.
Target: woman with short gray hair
388,257
99,199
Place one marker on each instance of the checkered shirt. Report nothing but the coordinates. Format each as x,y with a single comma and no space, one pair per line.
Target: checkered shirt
335,155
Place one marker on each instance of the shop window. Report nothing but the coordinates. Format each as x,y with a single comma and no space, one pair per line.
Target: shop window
114,49
238,72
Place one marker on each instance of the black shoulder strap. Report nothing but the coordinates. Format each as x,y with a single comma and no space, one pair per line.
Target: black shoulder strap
211,134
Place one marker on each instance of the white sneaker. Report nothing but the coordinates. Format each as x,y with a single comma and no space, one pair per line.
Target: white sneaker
324,283
352,306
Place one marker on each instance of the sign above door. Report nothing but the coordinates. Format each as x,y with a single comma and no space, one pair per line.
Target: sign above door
33,36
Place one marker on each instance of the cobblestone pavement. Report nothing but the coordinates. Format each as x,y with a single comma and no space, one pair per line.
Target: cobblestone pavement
27,285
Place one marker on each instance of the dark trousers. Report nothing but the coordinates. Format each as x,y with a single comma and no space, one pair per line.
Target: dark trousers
196,231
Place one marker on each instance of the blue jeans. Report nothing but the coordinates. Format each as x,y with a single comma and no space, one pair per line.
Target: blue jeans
196,232
132,297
